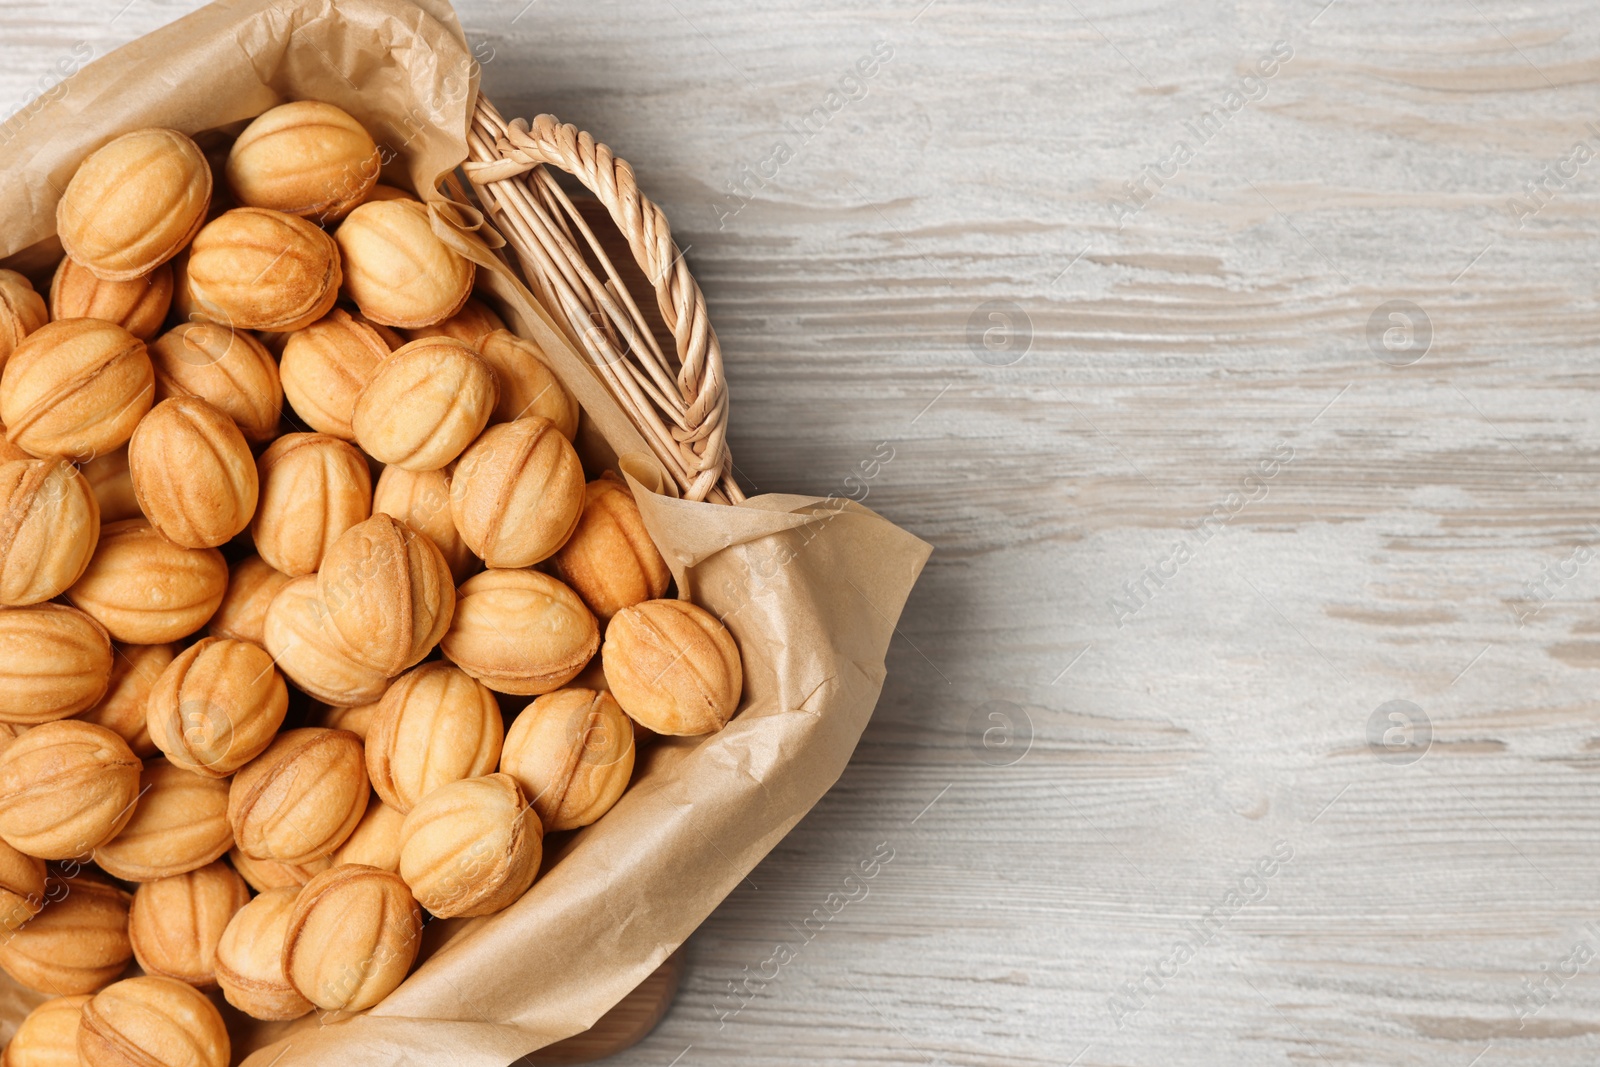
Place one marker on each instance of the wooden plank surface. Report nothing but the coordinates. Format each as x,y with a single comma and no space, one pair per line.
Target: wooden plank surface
1203,508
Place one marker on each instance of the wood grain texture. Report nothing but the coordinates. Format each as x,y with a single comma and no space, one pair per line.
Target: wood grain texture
1177,746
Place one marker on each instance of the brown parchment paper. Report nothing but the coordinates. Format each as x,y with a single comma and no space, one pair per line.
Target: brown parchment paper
810,588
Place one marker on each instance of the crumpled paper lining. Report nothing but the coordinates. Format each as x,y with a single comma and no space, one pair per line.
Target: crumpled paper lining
811,589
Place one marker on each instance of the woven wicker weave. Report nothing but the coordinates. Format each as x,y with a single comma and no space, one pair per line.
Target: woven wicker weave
679,402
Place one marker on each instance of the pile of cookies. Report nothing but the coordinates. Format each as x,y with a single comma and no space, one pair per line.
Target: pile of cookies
291,526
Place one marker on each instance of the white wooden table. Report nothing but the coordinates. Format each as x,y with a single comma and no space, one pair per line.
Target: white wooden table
1203,840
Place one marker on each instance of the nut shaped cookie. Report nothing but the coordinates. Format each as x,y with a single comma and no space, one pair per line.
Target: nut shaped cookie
307,648
389,593
352,936
22,310
517,493
217,706
520,631
572,753
610,560
435,725
179,824
313,488
326,365
66,787
471,847
55,661
193,474
49,525
152,1021
146,590
75,388
304,158
138,305
77,943
257,269
673,667
397,270
134,203
301,798
177,922
227,368
425,404
249,960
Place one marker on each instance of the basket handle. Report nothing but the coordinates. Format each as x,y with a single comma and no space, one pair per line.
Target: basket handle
682,411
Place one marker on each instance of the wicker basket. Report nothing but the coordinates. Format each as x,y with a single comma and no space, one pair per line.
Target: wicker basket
809,588
678,402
